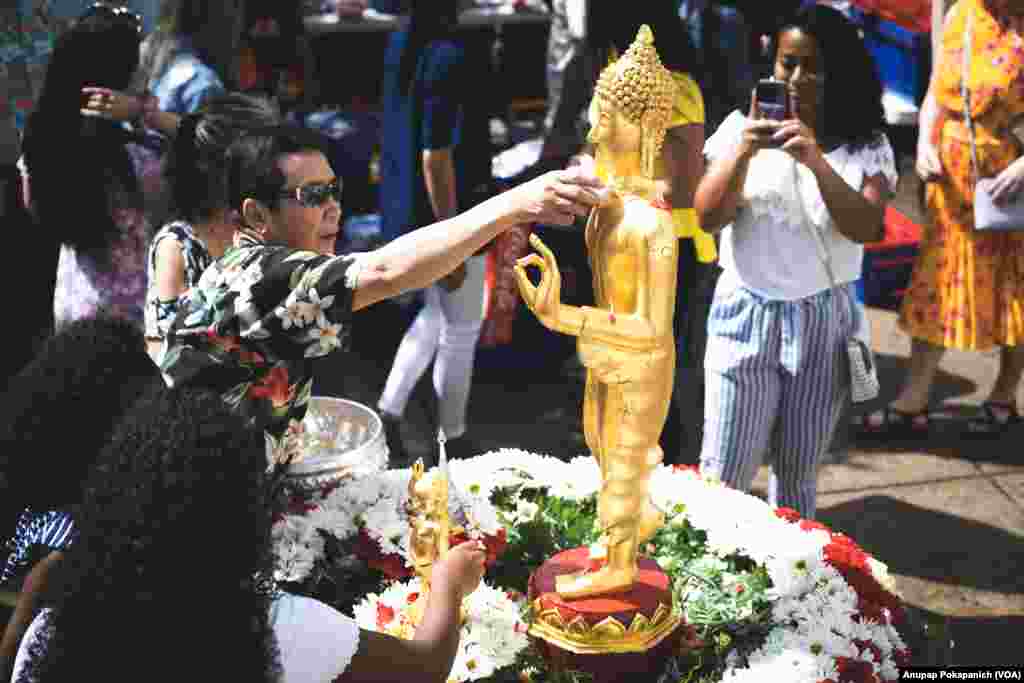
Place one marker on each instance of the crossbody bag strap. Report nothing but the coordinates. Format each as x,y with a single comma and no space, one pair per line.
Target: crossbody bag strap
965,91
819,242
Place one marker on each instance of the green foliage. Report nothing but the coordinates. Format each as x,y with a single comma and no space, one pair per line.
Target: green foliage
558,525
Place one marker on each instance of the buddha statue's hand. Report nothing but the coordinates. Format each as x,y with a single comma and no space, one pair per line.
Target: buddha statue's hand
544,299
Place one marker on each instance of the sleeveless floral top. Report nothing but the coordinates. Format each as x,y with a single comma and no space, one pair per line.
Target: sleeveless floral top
160,312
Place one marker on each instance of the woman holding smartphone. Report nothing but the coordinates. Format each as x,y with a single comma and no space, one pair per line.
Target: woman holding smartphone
794,199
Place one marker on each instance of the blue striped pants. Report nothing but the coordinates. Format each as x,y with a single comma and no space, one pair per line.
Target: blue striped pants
778,379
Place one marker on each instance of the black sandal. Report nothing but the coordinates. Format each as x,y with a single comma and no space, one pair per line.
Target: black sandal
989,424
894,424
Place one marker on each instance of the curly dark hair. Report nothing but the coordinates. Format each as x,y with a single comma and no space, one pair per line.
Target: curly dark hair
60,410
174,556
79,164
853,91
195,166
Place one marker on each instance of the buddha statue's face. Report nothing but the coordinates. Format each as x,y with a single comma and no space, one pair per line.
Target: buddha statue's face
611,131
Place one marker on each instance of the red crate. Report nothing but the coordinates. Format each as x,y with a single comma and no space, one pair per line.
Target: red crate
885,274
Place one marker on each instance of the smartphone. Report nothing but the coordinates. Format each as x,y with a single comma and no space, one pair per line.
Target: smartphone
772,99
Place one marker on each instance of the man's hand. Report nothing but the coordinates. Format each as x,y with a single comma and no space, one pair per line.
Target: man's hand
557,197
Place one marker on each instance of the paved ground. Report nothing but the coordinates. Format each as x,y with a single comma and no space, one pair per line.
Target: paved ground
947,515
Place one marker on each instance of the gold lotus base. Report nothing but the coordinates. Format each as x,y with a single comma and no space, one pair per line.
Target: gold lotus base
609,636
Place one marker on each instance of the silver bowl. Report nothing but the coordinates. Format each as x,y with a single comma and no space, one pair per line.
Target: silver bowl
342,439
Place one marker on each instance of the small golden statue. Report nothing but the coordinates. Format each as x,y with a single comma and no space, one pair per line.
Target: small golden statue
430,525
626,341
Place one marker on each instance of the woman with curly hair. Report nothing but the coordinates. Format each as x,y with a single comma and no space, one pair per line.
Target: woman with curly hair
175,554
795,201
59,412
85,180
203,225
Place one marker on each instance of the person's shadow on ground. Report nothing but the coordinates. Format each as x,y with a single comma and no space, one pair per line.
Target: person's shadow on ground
954,551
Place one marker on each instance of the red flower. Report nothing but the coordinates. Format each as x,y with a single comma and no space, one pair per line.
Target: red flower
385,615
225,344
250,357
855,671
687,468
876,653
809,525
300,506
872,598
274,386
788,514
412,597
367,550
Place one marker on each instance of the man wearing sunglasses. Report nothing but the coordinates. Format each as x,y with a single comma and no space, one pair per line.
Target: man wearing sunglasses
281,297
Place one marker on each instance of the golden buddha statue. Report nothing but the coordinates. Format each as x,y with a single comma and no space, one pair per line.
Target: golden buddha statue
625,341
430,527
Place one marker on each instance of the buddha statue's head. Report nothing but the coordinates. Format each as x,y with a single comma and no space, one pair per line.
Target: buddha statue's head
632,104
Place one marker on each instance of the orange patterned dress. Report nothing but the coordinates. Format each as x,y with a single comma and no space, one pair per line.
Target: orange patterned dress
967,289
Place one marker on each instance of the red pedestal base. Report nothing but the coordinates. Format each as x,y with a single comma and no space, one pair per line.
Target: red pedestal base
609,636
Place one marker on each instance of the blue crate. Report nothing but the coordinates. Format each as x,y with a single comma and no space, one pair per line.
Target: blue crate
901,56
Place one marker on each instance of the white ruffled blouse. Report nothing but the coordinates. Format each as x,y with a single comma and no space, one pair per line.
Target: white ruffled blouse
769,248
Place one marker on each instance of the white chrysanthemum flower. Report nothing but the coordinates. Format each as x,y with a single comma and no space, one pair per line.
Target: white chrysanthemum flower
338,523
297,547
489,639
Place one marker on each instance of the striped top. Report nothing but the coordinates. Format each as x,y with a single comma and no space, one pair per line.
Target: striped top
53,529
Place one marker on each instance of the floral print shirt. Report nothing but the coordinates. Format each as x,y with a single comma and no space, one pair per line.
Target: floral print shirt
160,312
253,325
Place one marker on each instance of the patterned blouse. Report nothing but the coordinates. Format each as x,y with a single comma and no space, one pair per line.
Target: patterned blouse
115,284
253,325
52,529
160,312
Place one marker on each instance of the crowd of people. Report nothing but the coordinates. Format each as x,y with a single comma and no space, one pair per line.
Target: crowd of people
184,278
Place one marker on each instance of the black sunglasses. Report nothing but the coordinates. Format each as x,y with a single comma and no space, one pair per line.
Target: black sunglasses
313,195
117,11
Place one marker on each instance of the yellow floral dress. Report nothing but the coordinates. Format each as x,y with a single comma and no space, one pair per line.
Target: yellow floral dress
967,289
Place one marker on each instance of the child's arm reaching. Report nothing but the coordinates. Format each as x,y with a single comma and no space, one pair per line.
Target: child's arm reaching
430,655
29,599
